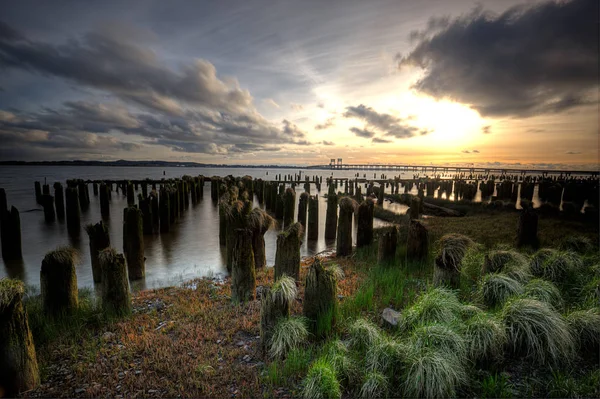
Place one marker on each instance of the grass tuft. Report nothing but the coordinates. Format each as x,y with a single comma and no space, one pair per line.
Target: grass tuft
436,305
288,334
537,331
375,386
385,356
433,373
579,244
452,249
284,290
512,263
554,265
544,291
321,381
485,337
363,334
585,327
438,336
495,288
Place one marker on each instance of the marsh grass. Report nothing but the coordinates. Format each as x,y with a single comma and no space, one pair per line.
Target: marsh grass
585,328
544,291
495,289
321,381
485,338
288,334
436,305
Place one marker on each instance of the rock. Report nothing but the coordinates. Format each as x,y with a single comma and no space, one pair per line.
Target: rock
79,390
390,316
241,343
246,358
260,292
152,391
219,341
107,336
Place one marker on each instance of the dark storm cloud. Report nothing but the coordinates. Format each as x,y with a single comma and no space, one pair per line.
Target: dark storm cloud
388,124
364,133
326,125
380,140
187,109
523,62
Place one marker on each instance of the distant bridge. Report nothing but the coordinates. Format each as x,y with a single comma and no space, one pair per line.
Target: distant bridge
450,169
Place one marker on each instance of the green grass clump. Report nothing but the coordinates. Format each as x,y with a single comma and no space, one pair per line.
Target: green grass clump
485,337
555,266
436,305
363,334
495,289
321,381
9,289
433,373
585,327
284,290
496,386
537,331
375,385
385,356
468,311
453,247
288,334
338,356
579,244
438,336
512,263
544,291
472,263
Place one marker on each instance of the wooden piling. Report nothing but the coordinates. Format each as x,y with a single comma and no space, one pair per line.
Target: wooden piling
59,200
313,218
243,273
58,282
387,244
287,256
364,232
99,240
344,228
134,243
116,298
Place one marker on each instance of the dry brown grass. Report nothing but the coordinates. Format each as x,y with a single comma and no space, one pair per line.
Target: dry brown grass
185,341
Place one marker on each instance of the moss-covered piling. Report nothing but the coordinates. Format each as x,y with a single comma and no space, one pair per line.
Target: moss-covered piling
38,192
289,204
58,282
73,212
387,244
116,298
313,218
364,232
275,305
144,204
303,208
344,229
18,362
164,210
104,201
287,256
417,244
331,215
415,208
83,195
243,273
10,234
99,240
260,222
134,243
48,205
527,228
320,299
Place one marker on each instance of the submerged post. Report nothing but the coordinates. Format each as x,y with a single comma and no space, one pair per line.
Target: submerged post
331,215
134,243
163,205
289,203
313,218
73,216
99,240
364,232
261,221
10,225
59,200
302,208
48,204
104,201
344,231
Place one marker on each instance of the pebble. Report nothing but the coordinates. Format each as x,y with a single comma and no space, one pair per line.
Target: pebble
246,358
107,336
219,341
79,390
241,343
152,391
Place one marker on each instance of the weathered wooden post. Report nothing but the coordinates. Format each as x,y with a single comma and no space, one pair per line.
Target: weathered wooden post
163,205
3,203
38,192
344,231
104,201
18,362
289,203
134,243
243,273
116,299
99,240
260,222
380,194
364,232
417,245
415,208
331,215
144,190
84,195
130,194
48,204
320,299
144,203
275,305
73,216
154,211
95,189
527,229
287,256
58,282
279,202
313,218
10,225
447,265
302,208
387,245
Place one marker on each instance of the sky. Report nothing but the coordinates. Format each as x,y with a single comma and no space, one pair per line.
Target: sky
443,82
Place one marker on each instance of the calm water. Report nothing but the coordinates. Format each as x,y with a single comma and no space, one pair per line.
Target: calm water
191,249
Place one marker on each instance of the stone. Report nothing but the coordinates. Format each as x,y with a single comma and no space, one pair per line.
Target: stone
391,317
